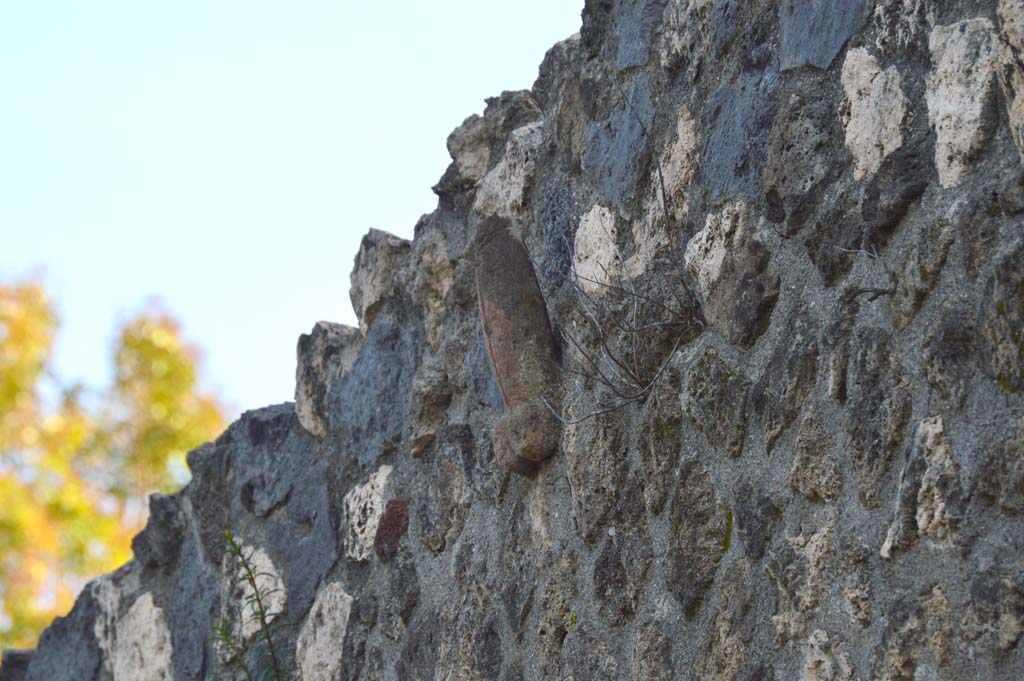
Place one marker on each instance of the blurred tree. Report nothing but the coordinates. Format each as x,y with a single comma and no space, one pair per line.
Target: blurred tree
73,479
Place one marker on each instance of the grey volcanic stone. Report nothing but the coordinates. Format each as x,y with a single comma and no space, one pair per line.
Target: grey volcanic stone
814,31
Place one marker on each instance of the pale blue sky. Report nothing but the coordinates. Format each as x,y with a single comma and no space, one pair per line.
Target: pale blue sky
226,156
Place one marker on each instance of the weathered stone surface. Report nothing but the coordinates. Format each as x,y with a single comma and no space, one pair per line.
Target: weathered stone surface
317,653
739,284
392,526
931,499
815,471
597,465
503,189
726,653
960,96
802,159
919,272
557,612
660,439
596,260
768,185
790,376
1001,321
1000,484
995,614
825,660
797,567
879,411
715,401
814,31
375,275
700,532
613,148
324,355
652,654
363,506
919,638
875,110
1011,66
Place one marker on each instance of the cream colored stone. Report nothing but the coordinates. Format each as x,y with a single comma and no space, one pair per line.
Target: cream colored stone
825,661
876,106
596,259
503,189
469,147
319,646
237,607
376,274
933,519
363,506
707,249
959,94
435,276
1011,66
141,647
682,25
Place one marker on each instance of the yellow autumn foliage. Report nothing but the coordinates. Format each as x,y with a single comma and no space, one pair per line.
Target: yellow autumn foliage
73,478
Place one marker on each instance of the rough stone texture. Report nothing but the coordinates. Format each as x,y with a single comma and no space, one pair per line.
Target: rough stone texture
376,274
814,31
876,108
324,355
596,260
848,375
317,653
961,92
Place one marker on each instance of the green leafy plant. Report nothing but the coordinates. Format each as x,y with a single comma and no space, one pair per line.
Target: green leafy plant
233,649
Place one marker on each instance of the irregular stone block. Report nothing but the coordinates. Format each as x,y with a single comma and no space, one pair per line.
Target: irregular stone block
798,569
363,506
652,654
931,498
725,654
792,371
901,26
325,354
802,159
435,277
14,665
960,95
503,190
141,643
919,627
741,116
879,410
825,660
237,604
431,395
1011,66
875,108
557,612
596,260
398,594
159,544
392,526
442,507
660,431
376,274
635,21
995,609
738,282
920,271
815,472
1000,482
1001,321
613,148
598,464
318,654
756,517
900,181
700,533
715,400
814,31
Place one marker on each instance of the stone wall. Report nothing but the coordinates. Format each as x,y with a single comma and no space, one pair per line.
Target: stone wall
781,247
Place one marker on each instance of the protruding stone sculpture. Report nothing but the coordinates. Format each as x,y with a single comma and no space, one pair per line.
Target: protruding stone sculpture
520,346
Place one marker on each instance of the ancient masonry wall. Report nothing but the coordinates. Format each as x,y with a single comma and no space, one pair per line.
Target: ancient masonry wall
780,249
